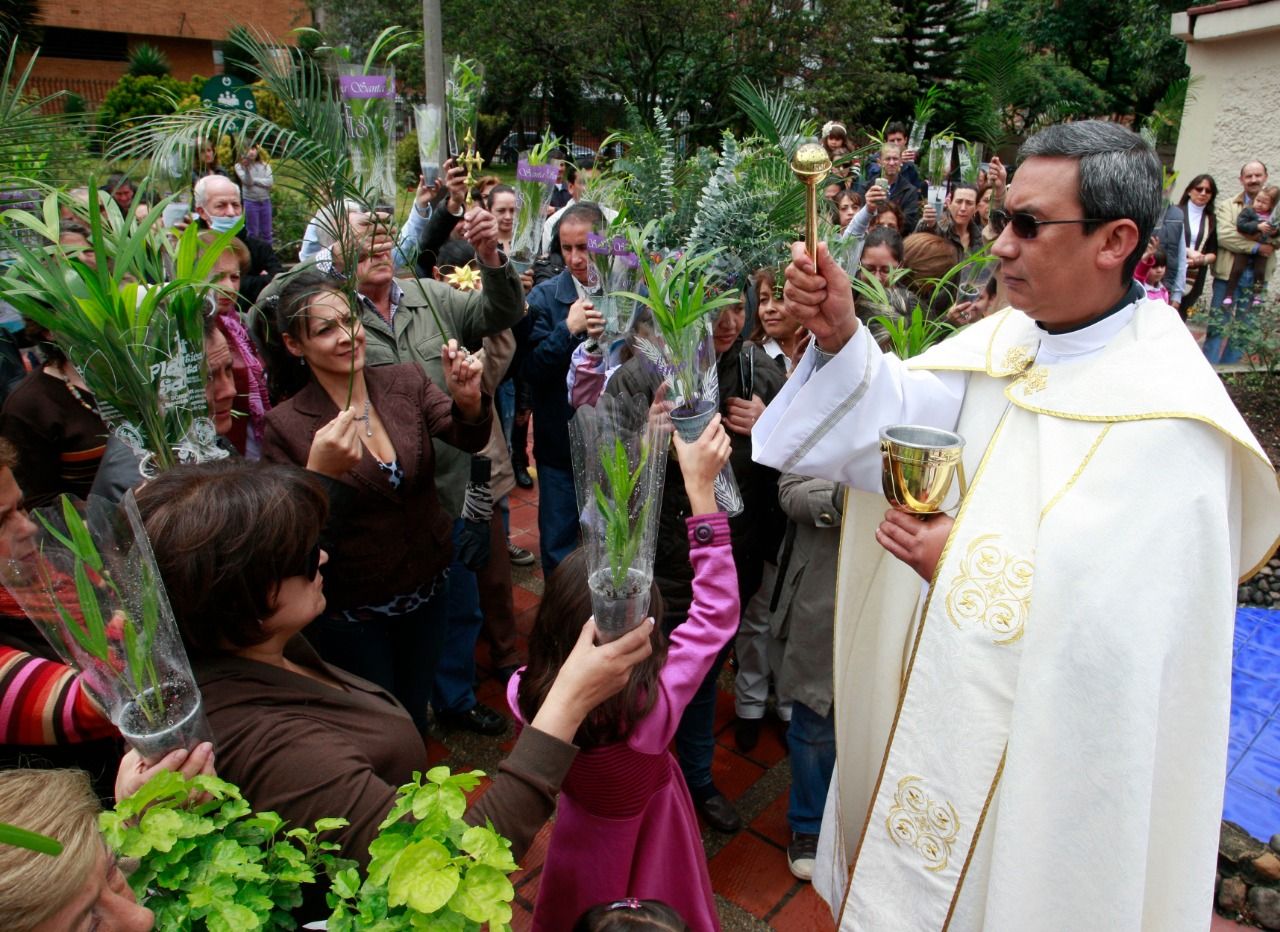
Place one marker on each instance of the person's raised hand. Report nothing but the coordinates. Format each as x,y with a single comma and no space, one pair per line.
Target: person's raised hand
916,542
526,280
455,179
743,414
134,772
875,198
998,175
462,378
577,319
481,230
595,324
700,463
929,215
589,675
909,155
962,313
820,298
335,448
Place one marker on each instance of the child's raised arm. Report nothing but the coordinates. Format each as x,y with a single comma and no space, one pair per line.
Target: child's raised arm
700,463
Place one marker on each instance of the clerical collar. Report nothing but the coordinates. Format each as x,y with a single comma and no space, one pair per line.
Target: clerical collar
1091,336
1132,296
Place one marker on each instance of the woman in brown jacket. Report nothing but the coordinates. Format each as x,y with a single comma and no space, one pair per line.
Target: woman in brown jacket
239,549
371,430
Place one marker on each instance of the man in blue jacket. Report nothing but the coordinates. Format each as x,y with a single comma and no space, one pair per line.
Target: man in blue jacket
560,310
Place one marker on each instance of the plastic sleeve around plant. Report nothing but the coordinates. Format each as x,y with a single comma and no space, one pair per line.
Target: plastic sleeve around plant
137,669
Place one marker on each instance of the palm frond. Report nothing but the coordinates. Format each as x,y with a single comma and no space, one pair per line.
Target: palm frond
774,116
32,140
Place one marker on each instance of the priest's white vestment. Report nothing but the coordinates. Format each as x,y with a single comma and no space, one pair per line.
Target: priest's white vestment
1038,739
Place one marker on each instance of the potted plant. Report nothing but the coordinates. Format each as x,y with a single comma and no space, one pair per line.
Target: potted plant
674,335
535,183
90,584
206,861
611,275
131,322
619,459
462,94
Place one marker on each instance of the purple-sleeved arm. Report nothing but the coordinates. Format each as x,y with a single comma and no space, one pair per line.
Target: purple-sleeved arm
712,622
586,377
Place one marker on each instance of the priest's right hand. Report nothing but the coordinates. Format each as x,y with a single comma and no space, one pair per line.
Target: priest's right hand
820,297
916,541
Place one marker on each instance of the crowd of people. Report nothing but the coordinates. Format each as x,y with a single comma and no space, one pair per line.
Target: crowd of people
331,581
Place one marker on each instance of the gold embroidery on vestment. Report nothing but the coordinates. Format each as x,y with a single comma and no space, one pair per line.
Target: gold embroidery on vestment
923,823
1034,380
1016,360
992,588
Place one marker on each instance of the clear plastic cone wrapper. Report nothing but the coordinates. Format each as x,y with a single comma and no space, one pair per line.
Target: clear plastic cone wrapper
89,581
619,449
686,362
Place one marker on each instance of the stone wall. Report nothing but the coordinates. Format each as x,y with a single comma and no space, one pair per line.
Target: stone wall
1248,882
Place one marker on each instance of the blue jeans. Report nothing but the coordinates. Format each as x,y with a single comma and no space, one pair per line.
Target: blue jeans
399,653
811,740
505,399
696,735
557,516
1227,326
456,673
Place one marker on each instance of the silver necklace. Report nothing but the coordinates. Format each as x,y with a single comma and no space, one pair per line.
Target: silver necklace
368,424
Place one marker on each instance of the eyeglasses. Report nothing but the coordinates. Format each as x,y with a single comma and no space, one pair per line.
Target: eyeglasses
313,563
1025,225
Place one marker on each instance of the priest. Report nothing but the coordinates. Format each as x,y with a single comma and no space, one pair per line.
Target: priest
1035,738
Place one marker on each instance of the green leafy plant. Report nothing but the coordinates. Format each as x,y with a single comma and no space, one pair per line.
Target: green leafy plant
146,59
428,869
679,295
132,325
209,862
462,94
532,196
122,648
622,535
33,137
914,333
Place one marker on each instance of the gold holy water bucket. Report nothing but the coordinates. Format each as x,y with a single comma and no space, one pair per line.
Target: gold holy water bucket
918,466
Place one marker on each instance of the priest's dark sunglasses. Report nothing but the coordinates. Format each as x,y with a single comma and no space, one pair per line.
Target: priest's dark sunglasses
1025,225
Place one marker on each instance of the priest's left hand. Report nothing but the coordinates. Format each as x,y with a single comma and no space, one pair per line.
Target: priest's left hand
917,543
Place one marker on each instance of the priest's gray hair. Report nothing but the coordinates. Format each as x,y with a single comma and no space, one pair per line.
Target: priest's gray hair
1120,174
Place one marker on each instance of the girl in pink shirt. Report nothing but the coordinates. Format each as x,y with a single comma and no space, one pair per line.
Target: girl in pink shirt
626,827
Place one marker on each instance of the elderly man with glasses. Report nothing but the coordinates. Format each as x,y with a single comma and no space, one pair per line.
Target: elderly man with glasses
1035,737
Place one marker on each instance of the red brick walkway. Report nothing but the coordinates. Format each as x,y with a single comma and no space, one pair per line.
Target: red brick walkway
754,889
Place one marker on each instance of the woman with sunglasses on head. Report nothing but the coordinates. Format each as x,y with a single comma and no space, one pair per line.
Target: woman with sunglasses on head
1201,236
371,429
243,556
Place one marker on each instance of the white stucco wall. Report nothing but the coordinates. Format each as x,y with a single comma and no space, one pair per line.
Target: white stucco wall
1235,114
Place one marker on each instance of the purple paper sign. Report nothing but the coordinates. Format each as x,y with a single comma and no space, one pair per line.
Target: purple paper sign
365,86
598,244
546,174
